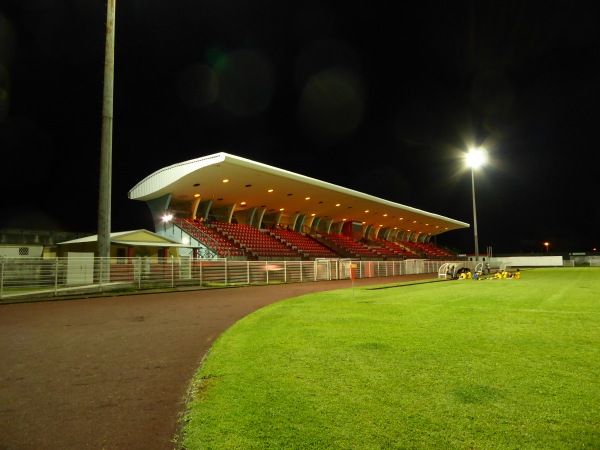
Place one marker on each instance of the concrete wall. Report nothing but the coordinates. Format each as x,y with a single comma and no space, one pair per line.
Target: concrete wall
526,261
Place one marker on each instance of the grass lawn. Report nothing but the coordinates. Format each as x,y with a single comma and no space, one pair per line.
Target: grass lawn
492,364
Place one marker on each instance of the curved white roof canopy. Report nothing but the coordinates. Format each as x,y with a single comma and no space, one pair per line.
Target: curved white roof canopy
251,182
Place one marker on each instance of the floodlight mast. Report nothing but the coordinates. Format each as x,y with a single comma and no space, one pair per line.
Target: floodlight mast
475,158
104,199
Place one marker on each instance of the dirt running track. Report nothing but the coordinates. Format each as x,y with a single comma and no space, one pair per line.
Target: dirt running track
113,372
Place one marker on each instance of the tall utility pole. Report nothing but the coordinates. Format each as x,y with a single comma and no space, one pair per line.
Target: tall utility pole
104,200
475,158
474,215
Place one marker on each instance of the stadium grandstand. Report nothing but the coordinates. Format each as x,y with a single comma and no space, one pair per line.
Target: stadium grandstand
225,206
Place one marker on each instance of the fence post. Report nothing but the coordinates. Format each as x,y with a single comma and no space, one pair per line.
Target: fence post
172,272
1,276
56,276
200,270
100,271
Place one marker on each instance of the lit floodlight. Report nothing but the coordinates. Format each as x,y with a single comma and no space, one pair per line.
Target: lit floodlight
476,157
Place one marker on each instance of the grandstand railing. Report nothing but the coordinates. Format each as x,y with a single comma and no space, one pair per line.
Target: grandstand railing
30,278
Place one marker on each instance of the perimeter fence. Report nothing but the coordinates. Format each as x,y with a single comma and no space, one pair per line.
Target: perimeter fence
41,277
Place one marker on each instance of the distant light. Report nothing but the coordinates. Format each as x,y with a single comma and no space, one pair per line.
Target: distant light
313,215
476,157
226,180
167,217
242,203
270,190
337,204
306,198
196,195
280,209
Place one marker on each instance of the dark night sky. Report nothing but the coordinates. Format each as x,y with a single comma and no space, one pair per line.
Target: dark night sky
380,97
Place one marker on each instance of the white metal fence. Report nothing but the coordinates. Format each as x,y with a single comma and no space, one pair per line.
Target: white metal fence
38,277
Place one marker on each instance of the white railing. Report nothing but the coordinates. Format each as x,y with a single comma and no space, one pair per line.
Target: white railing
24,278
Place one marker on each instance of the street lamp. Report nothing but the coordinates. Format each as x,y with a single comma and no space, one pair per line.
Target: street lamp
475,158
547,244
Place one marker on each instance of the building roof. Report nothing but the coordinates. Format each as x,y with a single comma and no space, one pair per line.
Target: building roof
252,184
141,238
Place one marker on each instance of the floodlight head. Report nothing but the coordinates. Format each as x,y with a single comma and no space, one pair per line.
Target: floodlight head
476,157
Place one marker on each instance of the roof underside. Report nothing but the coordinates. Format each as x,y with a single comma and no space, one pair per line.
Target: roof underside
256,185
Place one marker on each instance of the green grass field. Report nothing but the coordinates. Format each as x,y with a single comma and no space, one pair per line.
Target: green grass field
494,364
